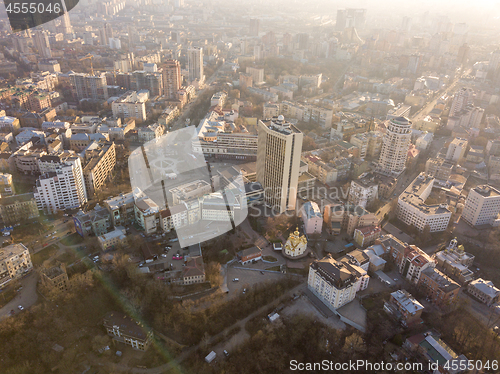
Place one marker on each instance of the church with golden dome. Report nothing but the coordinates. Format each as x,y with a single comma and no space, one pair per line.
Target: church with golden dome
296,245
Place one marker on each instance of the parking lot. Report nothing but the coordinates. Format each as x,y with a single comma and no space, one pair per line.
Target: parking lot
247,278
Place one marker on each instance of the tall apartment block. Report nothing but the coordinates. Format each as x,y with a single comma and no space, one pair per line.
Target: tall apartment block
482,206
395,145
254,27
87,86
279,146
462,98
195,64
61,189
456,149
42,44
172,78
350,18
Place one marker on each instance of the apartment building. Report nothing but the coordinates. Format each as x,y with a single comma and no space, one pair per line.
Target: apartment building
195,64
482,206
440,289
278,162
412,262
172,79
147,215
484,291
121,209
15,261
111,240
6,185
55,278
85,86
365,236
405,307
100,161
399,111
312,218
368,143
193,271
146,134
124,329
130,105
395,145
347,217
438,168
271,110
307,113
335,283
413,210
18,208
363,192
456,149
61,189
95,222
174,217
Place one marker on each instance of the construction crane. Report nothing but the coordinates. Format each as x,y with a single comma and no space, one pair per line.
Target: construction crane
89,57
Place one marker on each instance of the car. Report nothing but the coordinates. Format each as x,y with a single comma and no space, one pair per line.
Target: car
236,279
20,307
395,279
226,353
262,272
68,233
244,290
177,257
163,255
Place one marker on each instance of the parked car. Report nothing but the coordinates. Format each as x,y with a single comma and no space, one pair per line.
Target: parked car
20,307
236,279
226,353
177,257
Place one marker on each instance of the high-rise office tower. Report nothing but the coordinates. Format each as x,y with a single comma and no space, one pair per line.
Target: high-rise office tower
279,147
254,27
172,79
395,145
42,44
462,98
195,64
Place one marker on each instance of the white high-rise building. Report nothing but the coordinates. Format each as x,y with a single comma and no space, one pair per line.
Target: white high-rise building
482,206
195,64
456,149
63,188
462,98
395,145
279,146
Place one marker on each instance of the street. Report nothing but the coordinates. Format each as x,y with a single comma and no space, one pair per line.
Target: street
26,297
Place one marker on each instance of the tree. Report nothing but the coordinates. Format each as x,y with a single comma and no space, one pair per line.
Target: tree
213,275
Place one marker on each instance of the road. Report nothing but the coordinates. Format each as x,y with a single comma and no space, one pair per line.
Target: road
26,297
188,352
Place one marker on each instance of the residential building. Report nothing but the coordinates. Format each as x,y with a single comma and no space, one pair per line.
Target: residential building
368,143
436,352
146,134
295,246
15,261
482,206
438,168
363,192
250,255
9,124
121,209
55,278
130,105
125,330
463,98
312,218
6,185
193,271
307,113
440,289
172,79
195,64
455,262
484,291
257,75
113,239
409,310
365,236
351,17
218,99
147,215
278,162
395,145
412,262
413,210
61,189
174,217
100,161
456,149
335,283
18,208
87,86
399,111
270,110
95,222
347,217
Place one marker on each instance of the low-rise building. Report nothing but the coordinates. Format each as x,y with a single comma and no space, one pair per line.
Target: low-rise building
112,239
455,262
484,291
124,329
194,271
347,217
121,208
15,261
55,278
409,310
440,289
18,208
413,210
365,236
146,134
147,215
95,222
249,255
